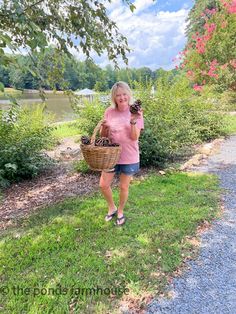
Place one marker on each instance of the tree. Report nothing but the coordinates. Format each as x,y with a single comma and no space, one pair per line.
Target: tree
4,76
110,75
19,75
69,24
123,75
101,86
210,55
196,19
93,73
71,74
145,74
50,66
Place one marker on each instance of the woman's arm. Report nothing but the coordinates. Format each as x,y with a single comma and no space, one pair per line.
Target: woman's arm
135,132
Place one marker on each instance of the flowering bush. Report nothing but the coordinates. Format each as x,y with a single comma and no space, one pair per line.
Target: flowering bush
210,56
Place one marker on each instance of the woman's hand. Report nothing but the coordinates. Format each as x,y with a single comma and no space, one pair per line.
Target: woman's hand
105,124
104,130
136,116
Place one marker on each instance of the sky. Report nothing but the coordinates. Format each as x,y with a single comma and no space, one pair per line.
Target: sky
155,31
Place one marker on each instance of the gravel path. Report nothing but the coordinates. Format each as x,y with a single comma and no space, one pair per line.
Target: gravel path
210,284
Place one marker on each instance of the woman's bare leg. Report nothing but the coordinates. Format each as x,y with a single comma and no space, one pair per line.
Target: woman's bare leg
124,193
105,186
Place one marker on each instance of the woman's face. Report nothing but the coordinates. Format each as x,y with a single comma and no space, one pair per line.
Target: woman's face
122,98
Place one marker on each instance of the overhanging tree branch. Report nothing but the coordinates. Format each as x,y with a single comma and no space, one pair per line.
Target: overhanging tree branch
33,5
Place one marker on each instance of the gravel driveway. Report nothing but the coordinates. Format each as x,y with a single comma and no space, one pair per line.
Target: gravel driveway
210,284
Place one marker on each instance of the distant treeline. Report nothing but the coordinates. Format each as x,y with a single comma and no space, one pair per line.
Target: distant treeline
41,70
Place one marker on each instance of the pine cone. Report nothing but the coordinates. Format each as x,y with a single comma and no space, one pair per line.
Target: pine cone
85,140
102,141
136,107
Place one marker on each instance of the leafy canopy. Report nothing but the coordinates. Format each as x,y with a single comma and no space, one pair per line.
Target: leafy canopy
80,24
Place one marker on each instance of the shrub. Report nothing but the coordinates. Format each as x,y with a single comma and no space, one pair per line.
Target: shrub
227,101
175,119
81,166
24,132
89,114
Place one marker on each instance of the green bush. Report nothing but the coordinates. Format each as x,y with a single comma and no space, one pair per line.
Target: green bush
81,166
227,101
175,119
89,114
24,133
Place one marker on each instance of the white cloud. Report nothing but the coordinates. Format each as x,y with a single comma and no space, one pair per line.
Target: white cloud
113,5
141,5
154,37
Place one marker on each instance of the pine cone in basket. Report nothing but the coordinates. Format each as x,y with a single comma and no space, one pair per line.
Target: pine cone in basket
114,145
136,107
85,140
102,141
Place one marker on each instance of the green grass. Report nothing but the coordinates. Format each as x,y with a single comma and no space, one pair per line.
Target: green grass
11,91
70,245
230,127
81,166
66,129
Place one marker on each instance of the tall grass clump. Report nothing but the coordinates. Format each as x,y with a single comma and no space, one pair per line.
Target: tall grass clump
24,133
176,117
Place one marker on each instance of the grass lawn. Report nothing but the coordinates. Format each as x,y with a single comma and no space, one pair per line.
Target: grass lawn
70,246
66,129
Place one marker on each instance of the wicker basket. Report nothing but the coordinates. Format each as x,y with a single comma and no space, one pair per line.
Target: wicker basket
98,157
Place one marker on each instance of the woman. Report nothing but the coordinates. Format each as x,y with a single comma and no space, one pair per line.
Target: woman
122,127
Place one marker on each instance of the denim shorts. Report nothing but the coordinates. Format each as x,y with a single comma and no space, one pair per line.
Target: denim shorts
128,169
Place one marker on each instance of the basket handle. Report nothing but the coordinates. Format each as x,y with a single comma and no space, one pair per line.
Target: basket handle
97,128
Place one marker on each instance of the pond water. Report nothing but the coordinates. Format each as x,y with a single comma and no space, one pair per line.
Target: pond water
58,104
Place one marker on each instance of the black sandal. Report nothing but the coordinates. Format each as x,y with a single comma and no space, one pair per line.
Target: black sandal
119,219
109,217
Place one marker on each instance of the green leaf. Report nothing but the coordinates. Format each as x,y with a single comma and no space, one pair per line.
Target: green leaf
132,7
11,166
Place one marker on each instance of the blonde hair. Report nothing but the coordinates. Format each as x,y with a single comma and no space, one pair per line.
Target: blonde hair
114,88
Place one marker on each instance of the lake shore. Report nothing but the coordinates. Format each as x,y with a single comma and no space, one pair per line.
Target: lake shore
36,91
13,91
57,102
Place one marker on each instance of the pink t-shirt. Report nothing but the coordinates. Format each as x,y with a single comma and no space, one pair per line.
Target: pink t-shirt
120,132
